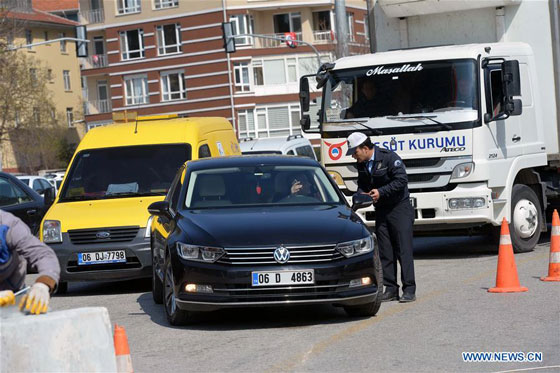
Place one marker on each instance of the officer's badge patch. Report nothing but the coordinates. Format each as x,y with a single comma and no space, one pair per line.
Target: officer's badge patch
398,163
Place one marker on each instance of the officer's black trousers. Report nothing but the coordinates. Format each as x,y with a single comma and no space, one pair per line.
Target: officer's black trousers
394,237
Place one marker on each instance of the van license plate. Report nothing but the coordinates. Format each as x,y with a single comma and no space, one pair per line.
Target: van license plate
102,257
283,278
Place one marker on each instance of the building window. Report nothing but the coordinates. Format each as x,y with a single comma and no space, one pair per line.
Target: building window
132,44
70,117
128,6
33,75
136,89
242,24
66,77
282,70
270,121
28,38
162,4
169,39
350,25
46,33
246,123
173,86
258,76
241,71
322,21
287,22
62,42
49,75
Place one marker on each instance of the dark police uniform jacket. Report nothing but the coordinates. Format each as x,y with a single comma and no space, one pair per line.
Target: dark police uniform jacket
388,176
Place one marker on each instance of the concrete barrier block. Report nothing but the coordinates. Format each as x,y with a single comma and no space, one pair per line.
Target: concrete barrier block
76,340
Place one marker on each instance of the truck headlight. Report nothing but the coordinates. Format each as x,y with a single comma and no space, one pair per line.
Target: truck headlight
199,253
358,247
337,178
51,231
462,170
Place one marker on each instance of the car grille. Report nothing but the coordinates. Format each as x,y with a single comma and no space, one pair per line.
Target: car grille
265,255
90,236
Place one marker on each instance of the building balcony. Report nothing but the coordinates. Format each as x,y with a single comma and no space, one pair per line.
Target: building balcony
89,17
264,43
97,107
95,61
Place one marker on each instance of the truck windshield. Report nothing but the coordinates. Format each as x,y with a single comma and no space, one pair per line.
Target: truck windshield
445,89
131,171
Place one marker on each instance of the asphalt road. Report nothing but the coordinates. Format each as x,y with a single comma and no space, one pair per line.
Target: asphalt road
454,313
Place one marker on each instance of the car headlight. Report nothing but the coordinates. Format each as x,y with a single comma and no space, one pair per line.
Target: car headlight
199,253
462,170
358,247
51,231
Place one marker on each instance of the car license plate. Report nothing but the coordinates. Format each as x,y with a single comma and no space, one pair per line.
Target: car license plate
413,201
102,257
271,278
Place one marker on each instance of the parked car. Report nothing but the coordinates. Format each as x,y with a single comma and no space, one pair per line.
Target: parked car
37,183
260,231
55,179
291,145
22,201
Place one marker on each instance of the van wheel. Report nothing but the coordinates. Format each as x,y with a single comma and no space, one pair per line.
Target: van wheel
526,219
175,316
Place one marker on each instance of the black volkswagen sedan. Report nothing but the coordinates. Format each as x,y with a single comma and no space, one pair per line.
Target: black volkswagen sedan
260,231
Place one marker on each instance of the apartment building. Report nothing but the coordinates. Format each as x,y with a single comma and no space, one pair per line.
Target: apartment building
59,58
167,56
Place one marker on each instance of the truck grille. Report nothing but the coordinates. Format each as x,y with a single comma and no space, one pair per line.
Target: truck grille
265,255
101,235
422,162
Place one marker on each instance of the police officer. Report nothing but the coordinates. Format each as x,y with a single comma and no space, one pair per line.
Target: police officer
382,175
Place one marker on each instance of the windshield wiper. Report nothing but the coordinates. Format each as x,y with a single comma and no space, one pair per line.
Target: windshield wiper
79,198
133,194
424,128
374,131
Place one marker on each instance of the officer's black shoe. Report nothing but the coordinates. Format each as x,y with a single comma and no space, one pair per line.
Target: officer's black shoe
407,297
389,295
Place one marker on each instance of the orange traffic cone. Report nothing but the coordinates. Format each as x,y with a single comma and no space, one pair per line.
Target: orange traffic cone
122,352
506,277
554,262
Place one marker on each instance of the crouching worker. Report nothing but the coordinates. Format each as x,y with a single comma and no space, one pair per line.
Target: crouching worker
17,248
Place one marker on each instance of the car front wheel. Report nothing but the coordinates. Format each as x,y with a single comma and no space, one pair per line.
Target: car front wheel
175,316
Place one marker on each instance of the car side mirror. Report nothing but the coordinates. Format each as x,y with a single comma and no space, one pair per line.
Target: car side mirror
48,197
160,208
361,200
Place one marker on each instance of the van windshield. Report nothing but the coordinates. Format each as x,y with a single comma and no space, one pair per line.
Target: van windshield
118,172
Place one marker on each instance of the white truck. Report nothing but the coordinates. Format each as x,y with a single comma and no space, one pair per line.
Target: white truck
475,124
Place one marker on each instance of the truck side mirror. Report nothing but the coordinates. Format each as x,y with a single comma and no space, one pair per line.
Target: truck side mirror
304,94
510,78
305,122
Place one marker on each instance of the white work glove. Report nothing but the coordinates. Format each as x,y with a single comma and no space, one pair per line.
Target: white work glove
7,298
36,300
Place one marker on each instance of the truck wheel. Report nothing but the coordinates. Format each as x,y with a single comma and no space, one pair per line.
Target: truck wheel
526,219
175,315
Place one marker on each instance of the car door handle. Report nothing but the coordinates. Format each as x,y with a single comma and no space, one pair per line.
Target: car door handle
31,212
515,138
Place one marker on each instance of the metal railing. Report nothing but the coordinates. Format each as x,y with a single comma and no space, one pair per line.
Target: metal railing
97,107
94,62
323,37
93,16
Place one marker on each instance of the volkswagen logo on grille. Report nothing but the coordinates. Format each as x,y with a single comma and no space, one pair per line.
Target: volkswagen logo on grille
103,234
281,255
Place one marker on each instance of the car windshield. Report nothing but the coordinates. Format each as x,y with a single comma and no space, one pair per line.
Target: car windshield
402,90
262,185
124,171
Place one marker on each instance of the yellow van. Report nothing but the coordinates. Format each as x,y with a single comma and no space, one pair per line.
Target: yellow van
99,225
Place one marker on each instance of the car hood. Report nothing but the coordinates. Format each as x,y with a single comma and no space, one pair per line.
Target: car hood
250,227
102,213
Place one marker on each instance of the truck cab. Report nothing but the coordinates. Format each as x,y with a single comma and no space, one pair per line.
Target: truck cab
465,119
